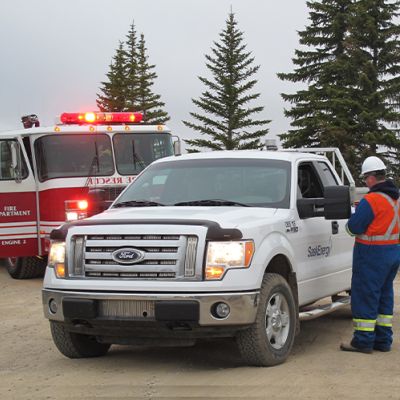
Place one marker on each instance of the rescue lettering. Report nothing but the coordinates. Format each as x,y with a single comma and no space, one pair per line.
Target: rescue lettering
319,251
11,211
111,180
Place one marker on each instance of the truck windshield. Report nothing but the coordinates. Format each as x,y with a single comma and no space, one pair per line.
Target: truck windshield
135,151
61,156
257,183
81,155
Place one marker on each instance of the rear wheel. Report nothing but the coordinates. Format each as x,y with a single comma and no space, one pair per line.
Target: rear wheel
76,345
269,341
24,267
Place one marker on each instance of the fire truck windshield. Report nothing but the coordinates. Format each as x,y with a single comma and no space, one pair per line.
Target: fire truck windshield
81,155
135,151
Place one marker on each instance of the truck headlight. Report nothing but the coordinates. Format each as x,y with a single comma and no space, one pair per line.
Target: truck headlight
222,256
57,258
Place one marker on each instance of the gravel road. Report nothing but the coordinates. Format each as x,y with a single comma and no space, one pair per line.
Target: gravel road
32,368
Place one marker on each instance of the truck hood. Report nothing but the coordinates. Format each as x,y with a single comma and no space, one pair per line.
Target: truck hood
232,222
226,217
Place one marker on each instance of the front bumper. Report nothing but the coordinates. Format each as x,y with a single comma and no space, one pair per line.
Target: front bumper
104,308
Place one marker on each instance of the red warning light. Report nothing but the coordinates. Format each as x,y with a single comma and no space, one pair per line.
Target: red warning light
75,205
82,205
101,118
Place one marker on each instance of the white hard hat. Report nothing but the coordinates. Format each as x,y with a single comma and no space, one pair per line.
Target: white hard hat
372,164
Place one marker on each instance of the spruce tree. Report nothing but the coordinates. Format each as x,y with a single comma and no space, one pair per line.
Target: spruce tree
148,103
114,90
227,96
374,44
129,81
352,75
131,70
317,110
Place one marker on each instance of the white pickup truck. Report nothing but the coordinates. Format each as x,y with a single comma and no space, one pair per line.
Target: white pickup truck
207,245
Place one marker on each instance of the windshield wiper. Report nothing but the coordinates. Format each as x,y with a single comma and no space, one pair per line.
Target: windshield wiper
211,202
138,203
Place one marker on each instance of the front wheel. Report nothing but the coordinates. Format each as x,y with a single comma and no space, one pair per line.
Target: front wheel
269,340
76,345
24,267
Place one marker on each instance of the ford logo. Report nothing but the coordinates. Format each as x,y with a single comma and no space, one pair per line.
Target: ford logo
127,256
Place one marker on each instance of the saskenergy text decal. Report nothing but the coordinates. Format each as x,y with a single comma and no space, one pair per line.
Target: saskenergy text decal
319,250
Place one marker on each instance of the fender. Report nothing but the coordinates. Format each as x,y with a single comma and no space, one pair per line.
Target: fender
272,245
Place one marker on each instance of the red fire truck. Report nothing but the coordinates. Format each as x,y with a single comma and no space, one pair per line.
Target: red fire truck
70,171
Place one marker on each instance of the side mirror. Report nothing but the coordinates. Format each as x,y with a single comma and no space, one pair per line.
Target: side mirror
309,208
16,161
337,202
334,205
177,146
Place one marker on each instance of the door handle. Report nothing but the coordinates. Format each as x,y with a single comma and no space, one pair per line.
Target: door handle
335,227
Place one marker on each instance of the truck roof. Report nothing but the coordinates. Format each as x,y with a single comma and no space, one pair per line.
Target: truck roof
86,129
284,155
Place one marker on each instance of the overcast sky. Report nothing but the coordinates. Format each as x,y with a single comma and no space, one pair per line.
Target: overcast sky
54,53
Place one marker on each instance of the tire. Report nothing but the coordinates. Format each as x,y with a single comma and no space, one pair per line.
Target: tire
269,340
75,345
25,267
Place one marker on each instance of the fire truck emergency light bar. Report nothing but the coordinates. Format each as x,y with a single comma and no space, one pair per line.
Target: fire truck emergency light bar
100,117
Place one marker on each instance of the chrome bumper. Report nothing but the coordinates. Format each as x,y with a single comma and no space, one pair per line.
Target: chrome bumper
243,306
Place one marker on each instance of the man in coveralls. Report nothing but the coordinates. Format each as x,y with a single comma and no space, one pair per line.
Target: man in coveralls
376,258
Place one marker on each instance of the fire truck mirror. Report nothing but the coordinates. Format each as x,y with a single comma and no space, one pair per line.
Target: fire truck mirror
16,161
177,147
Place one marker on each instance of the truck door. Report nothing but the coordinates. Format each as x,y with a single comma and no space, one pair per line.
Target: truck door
320,239
18,221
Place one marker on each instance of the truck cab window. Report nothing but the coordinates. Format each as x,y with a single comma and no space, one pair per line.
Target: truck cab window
308,183
326,174
6,170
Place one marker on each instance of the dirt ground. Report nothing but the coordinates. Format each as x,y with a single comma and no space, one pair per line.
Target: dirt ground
32,368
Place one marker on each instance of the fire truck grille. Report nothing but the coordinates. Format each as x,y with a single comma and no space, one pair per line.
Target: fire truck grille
157,256
112,192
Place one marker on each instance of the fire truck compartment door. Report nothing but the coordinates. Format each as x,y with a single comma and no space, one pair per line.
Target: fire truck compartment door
18,215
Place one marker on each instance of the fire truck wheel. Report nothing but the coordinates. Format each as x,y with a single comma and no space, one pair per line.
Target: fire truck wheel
269,340
24,267
75,345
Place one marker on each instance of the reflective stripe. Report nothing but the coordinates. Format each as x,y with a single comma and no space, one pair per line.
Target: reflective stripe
384,320
364,324
387,236
348,230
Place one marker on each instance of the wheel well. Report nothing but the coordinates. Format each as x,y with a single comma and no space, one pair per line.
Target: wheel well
281,265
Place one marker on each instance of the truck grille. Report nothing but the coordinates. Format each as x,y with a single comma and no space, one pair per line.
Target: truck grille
161,256
112,192
126,308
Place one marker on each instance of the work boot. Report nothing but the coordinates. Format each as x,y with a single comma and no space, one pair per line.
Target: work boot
349,347
382,349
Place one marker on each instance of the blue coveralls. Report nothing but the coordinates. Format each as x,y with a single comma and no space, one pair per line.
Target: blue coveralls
376,259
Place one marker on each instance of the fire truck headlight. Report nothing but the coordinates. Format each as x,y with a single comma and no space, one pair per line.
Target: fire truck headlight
74,216
222,256
71,216
57,258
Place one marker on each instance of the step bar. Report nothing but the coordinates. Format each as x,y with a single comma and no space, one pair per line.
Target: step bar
338,303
